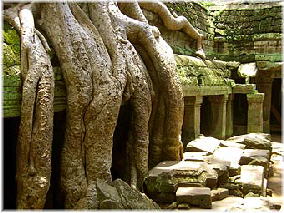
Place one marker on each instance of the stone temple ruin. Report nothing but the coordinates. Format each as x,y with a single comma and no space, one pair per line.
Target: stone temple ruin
232,158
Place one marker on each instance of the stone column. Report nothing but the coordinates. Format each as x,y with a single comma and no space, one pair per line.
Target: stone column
229,116
191,118
218,123
264,85
255,112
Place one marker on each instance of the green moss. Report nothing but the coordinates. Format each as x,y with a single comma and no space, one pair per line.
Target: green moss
10,35
11,51
206,4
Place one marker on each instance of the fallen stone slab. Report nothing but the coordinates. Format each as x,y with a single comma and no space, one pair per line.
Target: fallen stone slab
252,179
167,176
183,206
232,144
194,156
249,155
234,189
119,195
241,138
203,144
277,148
228,154
256,141
222,172
162,197
196,196
219,194
227,203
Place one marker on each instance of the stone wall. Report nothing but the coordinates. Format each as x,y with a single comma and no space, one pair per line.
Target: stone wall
247,33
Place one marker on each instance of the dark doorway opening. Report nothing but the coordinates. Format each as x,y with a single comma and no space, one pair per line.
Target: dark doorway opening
205,117
240,114
276,109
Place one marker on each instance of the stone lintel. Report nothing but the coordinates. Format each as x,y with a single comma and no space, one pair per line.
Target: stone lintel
244,88
193,100
218,99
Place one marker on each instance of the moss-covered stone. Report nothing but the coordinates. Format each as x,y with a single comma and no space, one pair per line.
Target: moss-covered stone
11,51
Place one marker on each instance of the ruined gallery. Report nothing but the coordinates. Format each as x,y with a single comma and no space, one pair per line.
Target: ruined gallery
142,105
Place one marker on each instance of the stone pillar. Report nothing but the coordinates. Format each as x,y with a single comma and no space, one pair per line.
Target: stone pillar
264,85
229,116
218,123
255,112
191,118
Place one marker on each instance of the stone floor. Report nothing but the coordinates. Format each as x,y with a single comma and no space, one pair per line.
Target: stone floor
243,173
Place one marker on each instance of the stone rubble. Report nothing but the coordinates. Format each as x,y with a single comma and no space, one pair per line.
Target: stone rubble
240,167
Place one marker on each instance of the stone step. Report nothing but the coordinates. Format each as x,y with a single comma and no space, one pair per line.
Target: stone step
195,196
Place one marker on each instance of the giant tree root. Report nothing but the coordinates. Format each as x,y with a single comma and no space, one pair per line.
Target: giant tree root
35,135
107,58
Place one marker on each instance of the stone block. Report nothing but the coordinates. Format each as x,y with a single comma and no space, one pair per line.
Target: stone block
194,156
252,179
203,144
196,196
256,141
219,194
249,154
183,206
232,144
256,157
222,171
162,197
228,154
244,88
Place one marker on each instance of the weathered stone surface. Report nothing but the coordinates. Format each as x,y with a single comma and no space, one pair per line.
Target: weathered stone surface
228,155
196,196
219,194
183,206
108,197
119,195
256,157
257,141
249,155
252,179
203,144
277,148
241,138
131,198
194,156
244,88
232,144
163,197
166,176
222,172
